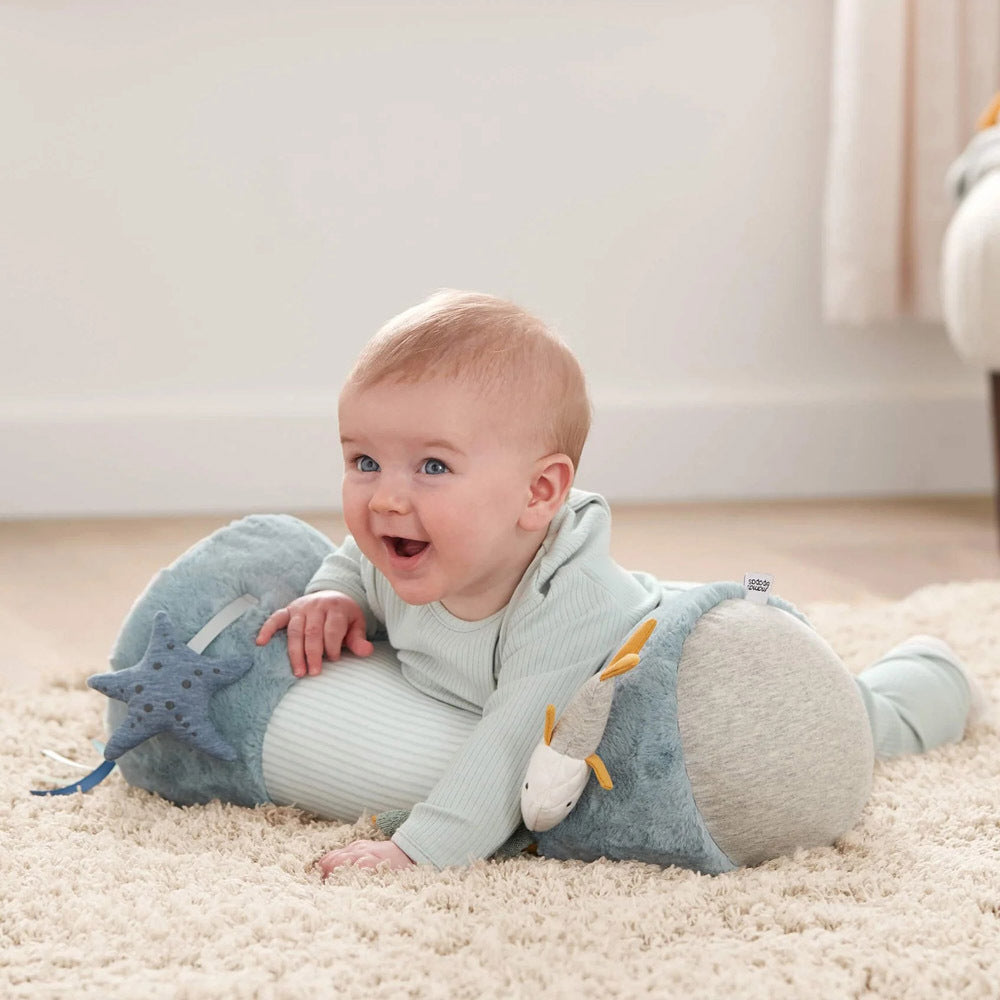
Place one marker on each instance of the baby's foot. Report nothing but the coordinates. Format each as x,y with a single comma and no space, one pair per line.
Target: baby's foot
937,649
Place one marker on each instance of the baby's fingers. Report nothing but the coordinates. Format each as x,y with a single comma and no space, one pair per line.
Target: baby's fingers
333,637
297,646
356,642
313,642
277,621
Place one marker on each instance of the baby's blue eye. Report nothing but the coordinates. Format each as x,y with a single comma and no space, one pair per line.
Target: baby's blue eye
434,467
365,463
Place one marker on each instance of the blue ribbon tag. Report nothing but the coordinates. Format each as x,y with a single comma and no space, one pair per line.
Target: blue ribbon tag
84,784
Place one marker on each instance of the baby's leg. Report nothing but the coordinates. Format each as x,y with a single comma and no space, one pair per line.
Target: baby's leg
918,696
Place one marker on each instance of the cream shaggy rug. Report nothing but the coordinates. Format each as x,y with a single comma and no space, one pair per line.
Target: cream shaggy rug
118,894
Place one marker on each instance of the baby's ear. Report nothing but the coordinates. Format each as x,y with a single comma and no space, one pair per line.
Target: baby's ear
552,479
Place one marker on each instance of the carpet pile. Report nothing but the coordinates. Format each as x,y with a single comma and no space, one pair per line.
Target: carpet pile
117,893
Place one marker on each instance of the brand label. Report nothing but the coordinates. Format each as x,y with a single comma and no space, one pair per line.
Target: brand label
758,586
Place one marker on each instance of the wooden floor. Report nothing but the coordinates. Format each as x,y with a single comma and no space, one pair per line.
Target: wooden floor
65,586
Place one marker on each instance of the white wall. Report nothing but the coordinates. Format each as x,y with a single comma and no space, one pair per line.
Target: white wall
207,207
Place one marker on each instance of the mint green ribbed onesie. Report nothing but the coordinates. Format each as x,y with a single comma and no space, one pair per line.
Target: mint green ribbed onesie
573,607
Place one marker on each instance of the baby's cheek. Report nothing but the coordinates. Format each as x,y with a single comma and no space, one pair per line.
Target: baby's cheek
357,522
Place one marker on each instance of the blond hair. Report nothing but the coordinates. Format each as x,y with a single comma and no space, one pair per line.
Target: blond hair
497,346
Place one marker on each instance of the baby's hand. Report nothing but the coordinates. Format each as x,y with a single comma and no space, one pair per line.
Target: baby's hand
366,854
318,624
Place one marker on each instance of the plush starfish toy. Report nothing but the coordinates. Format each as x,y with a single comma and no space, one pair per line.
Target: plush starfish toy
168,691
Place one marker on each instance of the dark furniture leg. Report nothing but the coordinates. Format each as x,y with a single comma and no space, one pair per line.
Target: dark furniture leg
995,407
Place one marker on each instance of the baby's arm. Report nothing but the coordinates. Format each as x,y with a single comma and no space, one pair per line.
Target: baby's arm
476,805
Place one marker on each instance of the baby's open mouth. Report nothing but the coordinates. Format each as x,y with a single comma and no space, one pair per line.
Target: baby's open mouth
406,547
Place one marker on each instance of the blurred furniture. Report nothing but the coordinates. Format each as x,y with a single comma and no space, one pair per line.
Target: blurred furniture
970,272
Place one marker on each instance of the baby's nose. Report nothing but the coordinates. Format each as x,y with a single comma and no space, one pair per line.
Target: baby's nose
388,500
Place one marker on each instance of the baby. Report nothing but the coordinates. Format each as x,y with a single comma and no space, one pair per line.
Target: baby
462,425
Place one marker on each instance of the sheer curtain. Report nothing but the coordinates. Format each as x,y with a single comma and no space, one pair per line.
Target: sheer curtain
910,78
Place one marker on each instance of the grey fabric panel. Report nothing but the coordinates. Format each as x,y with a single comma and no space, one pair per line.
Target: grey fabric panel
775,736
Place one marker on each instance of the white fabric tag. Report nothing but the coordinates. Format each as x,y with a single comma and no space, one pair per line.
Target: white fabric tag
758,586
52,755
221,620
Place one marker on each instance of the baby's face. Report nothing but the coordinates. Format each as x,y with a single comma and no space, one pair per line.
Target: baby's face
436,477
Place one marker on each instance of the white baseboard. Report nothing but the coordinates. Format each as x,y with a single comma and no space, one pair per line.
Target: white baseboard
171,456
826,443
